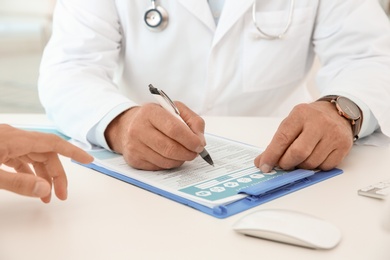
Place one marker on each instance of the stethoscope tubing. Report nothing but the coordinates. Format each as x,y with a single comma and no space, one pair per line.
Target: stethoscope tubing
272,36
157,12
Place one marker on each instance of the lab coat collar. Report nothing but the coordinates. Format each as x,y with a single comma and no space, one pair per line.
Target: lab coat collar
231,12
201,10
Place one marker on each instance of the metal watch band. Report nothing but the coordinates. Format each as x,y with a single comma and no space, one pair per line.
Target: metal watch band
355,124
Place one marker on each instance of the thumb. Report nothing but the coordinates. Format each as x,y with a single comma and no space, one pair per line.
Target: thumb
24,184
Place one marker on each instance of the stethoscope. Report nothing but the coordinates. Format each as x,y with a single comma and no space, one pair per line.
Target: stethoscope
156,19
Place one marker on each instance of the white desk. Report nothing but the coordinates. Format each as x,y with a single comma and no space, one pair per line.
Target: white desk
104,218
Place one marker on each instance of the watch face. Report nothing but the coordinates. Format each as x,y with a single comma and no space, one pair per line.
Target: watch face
349,108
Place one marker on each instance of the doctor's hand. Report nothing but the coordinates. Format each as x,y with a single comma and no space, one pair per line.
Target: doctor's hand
313,136
34,157
150,138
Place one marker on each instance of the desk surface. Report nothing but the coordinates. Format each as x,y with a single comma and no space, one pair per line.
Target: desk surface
104,218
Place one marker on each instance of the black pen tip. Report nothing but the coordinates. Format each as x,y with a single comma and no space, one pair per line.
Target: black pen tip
206,156
208,159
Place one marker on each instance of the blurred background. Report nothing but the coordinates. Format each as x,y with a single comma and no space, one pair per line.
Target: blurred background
25,27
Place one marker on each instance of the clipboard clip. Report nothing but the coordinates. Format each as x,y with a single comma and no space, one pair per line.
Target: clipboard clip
280,182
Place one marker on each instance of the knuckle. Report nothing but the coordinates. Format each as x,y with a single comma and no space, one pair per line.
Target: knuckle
172,151
170,164
130,148
133,161
299,154
172,128
300,109
285,166
132,155
133,133
282,138
169,150
308,165
342,138
346,145
326,166
331,162
142,112
17,183
20,185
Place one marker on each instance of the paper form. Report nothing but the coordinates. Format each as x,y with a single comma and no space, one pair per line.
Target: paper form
208,189
196,180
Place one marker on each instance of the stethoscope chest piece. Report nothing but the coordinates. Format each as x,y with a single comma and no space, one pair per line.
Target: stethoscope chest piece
156,18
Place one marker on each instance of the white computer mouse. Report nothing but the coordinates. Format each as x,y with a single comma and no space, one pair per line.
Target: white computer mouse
289,227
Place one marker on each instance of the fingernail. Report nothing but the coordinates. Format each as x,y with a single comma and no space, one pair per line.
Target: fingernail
199,149
202,138
265,168
41,189
66,194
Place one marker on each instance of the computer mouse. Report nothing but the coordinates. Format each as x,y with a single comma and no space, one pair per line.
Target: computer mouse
289,227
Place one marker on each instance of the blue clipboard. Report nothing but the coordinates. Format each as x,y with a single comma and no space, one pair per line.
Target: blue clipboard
257,195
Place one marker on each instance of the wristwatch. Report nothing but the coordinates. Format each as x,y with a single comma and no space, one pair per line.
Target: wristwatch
349,110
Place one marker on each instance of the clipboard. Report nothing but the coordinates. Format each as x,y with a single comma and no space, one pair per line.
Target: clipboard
257,195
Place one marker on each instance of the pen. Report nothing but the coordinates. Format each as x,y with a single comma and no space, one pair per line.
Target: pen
168,104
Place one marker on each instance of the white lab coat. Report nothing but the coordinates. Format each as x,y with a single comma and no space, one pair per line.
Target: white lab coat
216,70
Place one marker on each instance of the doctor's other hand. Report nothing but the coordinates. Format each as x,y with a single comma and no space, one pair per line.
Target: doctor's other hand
150,138
34,157
313,136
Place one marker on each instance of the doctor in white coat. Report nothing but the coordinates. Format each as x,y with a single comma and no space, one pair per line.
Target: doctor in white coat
231,58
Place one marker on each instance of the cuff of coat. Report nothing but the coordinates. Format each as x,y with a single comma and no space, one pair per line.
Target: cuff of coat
96,134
